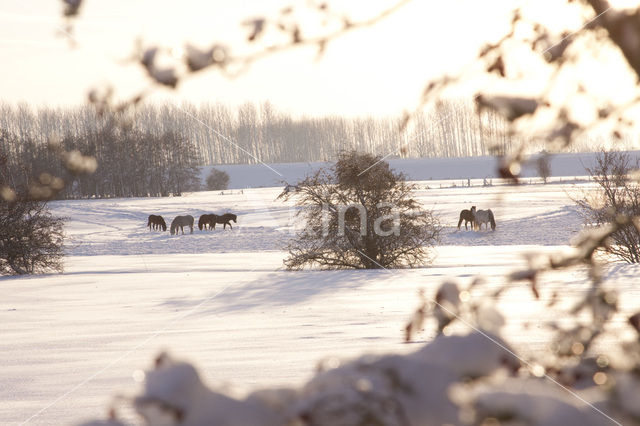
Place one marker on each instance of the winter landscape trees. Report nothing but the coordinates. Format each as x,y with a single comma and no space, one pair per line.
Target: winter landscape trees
88,156
360,214
382,390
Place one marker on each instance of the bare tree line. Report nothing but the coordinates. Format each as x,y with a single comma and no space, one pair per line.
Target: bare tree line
158,148
453,129
45,152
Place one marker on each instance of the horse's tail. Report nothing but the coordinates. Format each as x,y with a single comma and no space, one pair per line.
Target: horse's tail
200,223
149,222
461,219
492,220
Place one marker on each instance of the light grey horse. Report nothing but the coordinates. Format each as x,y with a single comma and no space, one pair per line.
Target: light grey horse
483,216
181,222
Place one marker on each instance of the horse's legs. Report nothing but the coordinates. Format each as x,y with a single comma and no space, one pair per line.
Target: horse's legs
191,226
230,227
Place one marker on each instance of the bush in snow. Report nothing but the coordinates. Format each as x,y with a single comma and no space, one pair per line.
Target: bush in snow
616,201
217,179
30,237
360,214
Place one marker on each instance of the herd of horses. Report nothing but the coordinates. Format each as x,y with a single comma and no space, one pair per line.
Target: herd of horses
477,219
206,221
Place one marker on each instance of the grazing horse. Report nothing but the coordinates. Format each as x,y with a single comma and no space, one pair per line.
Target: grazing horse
206,220
157,222
181,222
486,217
467,216
225,219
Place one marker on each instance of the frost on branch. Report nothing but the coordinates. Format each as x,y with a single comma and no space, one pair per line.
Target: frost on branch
164,75
531,402
175,394
389,390
71,7
511,108
198,59
463,379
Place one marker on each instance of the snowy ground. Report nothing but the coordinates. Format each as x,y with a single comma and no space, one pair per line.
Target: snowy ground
222,300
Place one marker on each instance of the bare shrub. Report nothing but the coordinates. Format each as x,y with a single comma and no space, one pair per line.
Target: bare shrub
543,164
217,179
30,238
360,214
617,199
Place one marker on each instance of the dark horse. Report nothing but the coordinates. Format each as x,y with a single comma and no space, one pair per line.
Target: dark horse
467,216
206,221
225,219
181,222
157,222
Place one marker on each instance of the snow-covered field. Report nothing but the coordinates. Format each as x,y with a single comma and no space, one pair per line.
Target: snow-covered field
221,299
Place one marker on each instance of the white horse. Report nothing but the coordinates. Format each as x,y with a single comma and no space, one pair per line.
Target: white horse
483,216
181,222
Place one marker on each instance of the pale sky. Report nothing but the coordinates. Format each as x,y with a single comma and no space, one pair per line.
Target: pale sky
379,71
371,71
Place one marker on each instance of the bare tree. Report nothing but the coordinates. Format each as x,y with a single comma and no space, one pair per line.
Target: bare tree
618,195
30,238
217,179
544,165
360,214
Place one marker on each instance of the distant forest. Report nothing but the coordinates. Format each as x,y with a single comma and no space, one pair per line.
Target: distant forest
157,151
